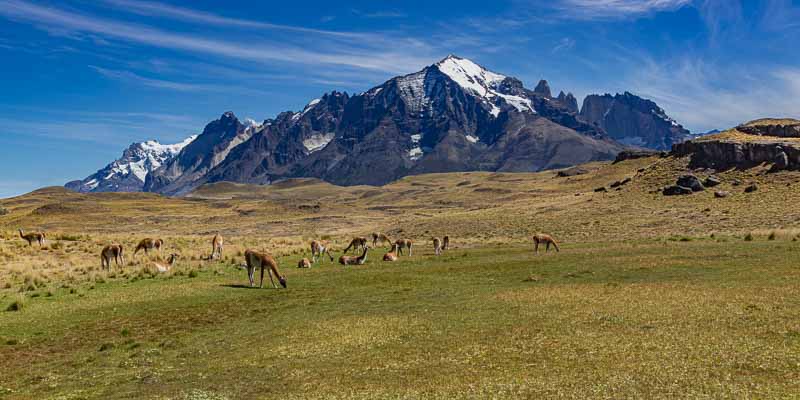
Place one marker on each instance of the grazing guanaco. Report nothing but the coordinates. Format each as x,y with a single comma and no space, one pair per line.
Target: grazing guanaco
319,249
392,255
112,251
162,267
147,245
356,243
446,242
380,237
401,244
437,246
304,263
545,239
351,260
38,237
216,247
256,259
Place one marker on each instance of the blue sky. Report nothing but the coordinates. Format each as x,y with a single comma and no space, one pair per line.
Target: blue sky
82,79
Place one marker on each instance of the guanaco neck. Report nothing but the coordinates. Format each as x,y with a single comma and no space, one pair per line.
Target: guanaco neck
21,234
363,255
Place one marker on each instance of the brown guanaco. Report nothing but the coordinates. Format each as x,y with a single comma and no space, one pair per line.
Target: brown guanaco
256,259
547,240
112,251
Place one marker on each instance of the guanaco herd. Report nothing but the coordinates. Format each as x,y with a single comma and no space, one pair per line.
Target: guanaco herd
261,260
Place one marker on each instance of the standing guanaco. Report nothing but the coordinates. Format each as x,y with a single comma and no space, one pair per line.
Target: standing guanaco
356,243
112,251
319,249
446,242
304,263
351,260
147,245
38,237
162,267
401,244
391,255
545,239
380,237
216,247
256,259
437,246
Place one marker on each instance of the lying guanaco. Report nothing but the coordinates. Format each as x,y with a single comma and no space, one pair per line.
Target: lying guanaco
162,267
38,237
112,251
147,245
392,255
351,260
401,244
216,247
304,263
446,242
380,237
319,249
356,243
545,239
256,259
437,246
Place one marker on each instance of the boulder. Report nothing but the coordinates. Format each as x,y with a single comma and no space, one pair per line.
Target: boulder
601,189
780,162
632,154
574,171
620,183
721,194
750,189
712,181
675,190
692,182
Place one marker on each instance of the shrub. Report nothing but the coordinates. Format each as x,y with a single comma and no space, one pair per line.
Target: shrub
17,305
772,236
3,211
748,237
193,273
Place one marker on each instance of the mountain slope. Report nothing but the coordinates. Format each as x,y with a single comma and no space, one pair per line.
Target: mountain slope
633,121
128,173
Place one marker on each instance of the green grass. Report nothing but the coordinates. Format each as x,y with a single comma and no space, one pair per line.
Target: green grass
636,319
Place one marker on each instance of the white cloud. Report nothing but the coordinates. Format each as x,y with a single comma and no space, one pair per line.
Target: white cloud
613,9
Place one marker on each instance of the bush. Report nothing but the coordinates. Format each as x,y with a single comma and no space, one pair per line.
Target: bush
3,211
193,273
772,236
749,237
17,305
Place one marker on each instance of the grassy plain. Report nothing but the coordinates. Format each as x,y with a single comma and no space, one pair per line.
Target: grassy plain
650,297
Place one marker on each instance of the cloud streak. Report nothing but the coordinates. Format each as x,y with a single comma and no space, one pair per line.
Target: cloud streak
615,9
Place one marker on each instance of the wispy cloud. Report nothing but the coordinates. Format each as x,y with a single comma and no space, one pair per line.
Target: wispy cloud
615,9
402,59
564,44
379,14
131,77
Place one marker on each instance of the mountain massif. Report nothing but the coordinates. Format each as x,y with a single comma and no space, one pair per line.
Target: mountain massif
451,116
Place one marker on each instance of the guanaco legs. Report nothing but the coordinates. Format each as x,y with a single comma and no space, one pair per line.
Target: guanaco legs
437,246
392,255
216,247
403,244
547,240
162,267
147,245
357,243
319,249
112,252
352,260
38,237
446,242
380,237
261,260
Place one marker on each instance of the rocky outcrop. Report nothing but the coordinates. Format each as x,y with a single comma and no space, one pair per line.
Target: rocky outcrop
727,154
633,154
568,101
768,127
543,89
633,121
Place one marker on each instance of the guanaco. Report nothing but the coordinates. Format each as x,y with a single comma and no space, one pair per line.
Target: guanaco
304,263
351,260
112,251
380,237
147,245
38,237
545,239
356,243
162,267
319,249
256,259
446,242
216,247
391,255
437,246
401,244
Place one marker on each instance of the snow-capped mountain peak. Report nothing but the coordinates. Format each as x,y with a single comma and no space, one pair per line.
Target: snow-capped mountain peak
128,173
469,75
